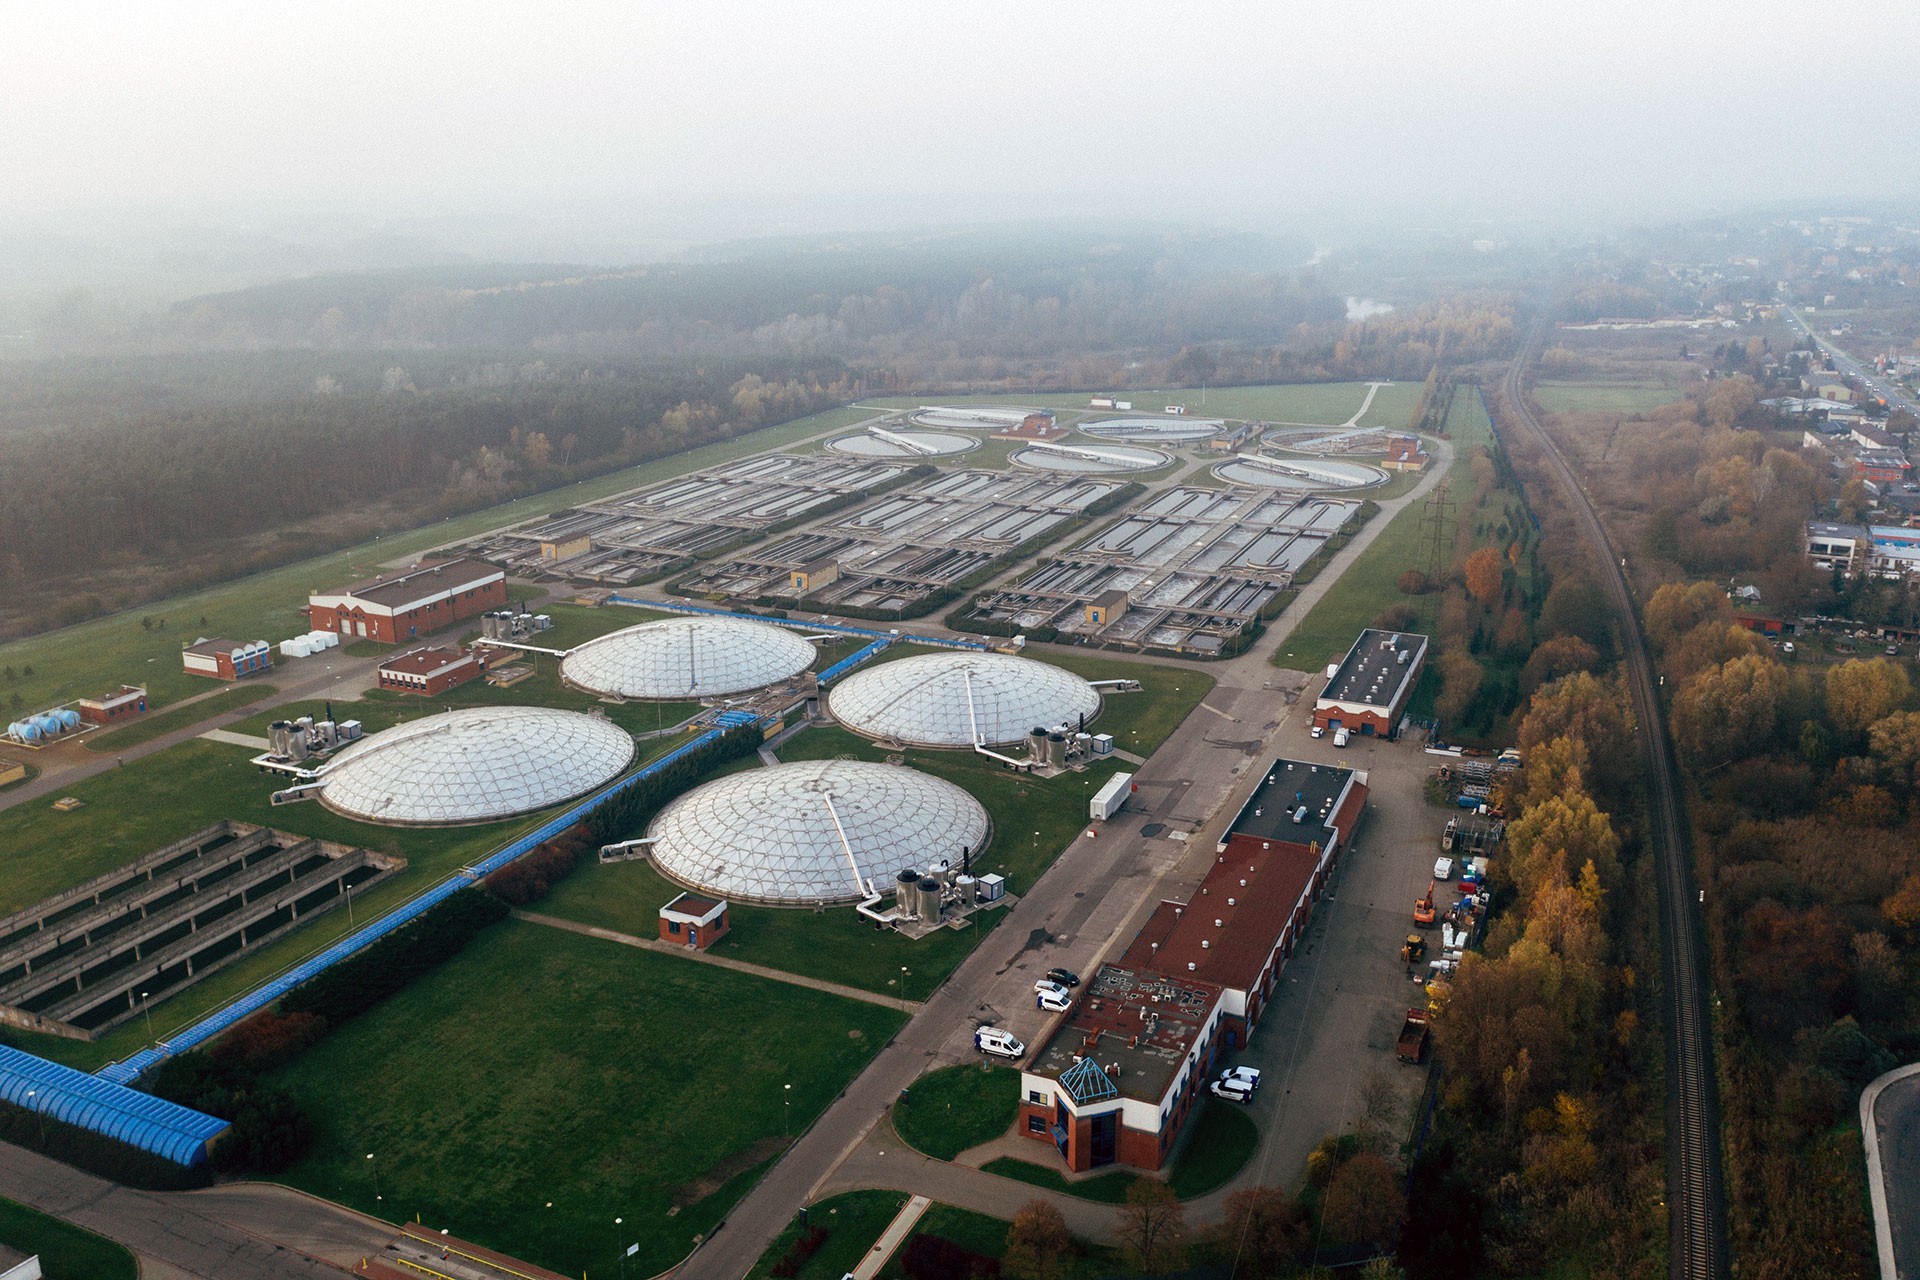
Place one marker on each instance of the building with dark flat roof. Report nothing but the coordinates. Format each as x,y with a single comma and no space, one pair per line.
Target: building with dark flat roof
430,672
1118,1078
1369,691
396,607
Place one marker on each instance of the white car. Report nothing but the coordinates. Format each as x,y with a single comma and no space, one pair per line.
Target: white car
1055,1001
1231,1090
1048,987
1319,731
1443,868
1002,1044
1246,1077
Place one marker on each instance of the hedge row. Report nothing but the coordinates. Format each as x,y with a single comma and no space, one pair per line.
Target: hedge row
633,808
367,977
527,879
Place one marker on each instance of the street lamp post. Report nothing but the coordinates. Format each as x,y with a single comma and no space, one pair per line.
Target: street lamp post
619,1247
374,1166
786,1123
31,1095
904,975
147,1009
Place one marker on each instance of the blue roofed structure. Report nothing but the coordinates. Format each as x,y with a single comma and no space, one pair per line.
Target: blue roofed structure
1085,1082
151,1124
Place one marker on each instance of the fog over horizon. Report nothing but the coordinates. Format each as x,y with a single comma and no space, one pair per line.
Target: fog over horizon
604,131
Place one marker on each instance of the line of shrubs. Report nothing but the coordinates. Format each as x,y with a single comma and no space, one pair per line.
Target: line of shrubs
633,808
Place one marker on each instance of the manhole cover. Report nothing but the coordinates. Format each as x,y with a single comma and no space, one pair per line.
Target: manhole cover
1152,829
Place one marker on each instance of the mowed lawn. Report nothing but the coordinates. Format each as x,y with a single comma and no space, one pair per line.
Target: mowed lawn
1603,397
165,797
92,657
540,1067
1033,820
1371,584
1313,402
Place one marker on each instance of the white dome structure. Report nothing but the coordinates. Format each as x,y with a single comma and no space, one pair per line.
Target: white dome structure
696,657
959,699
794,834
474,765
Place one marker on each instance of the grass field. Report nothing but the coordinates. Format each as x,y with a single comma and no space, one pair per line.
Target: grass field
957,1108
86,659
1370,585
157,724
1319,403
852,1221
1033,820
542,1068
152,802
66,1252
1604,397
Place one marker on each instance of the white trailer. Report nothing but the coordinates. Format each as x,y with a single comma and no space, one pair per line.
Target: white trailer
1107,800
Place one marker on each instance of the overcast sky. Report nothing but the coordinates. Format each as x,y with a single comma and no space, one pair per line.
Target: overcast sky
1249,114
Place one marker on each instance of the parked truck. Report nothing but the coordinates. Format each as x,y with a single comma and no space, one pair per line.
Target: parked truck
1107,800
1414,1033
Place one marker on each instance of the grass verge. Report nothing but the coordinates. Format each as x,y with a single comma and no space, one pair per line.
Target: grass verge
66,1252
1222,1140
852,1221
539,1068
957,1108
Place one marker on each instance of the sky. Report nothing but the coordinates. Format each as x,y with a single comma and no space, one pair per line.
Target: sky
762,117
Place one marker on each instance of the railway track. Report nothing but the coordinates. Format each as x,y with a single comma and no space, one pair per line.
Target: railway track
1696,1204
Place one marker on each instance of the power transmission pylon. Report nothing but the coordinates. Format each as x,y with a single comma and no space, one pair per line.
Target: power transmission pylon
1436,526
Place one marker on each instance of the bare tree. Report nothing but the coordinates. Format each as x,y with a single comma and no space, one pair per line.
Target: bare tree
1153,1225
1038,1244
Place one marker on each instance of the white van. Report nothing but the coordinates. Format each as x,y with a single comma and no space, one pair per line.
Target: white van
1000,1043
1339,737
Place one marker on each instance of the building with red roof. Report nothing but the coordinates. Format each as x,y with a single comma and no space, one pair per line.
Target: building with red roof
1119,1076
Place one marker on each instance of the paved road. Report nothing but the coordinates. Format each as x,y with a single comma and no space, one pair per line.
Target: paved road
1092,899
258,1234
1890,1118
1846,364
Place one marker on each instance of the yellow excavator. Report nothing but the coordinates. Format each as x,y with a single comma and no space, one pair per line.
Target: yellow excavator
1414,949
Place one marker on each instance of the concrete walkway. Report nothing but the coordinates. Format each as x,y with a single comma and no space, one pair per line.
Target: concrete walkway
883,1161
724,962
233,739
891,1238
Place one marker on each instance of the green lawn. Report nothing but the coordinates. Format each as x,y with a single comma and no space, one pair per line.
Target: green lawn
957,1108
1319,403
1369,586
1033,819
539,1067
91,657
1604,397
159,723
1108,1188
152,802
66,1251
853,1222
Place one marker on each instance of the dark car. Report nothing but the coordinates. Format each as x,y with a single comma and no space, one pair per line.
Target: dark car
1065,977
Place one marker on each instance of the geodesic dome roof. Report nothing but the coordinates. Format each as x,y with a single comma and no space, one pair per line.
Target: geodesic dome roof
474,765
944,699
694,657
775,834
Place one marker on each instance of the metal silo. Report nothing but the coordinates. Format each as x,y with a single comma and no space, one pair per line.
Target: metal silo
929,900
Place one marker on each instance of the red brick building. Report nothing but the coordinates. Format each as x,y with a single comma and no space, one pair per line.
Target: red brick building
398,607
692,921
128,701
227,659
1370,689
428,672
1118,1078
1404,454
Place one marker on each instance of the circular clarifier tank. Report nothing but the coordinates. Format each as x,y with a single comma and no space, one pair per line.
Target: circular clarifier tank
815,831
695,657
474,765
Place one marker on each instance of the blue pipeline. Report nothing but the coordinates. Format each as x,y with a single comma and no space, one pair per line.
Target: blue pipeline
131,1068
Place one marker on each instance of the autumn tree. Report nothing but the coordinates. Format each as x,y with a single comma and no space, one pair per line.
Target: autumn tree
1549,843
1363,1203
1039,1247
1484,574
1460,678
1729,711
1554,658
1895,742
1263,1231
1679,607
1153,1225
1863,691
1592,712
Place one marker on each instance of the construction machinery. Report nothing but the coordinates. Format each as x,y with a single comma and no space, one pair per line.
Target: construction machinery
1411,1047
1423,909
1414,948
